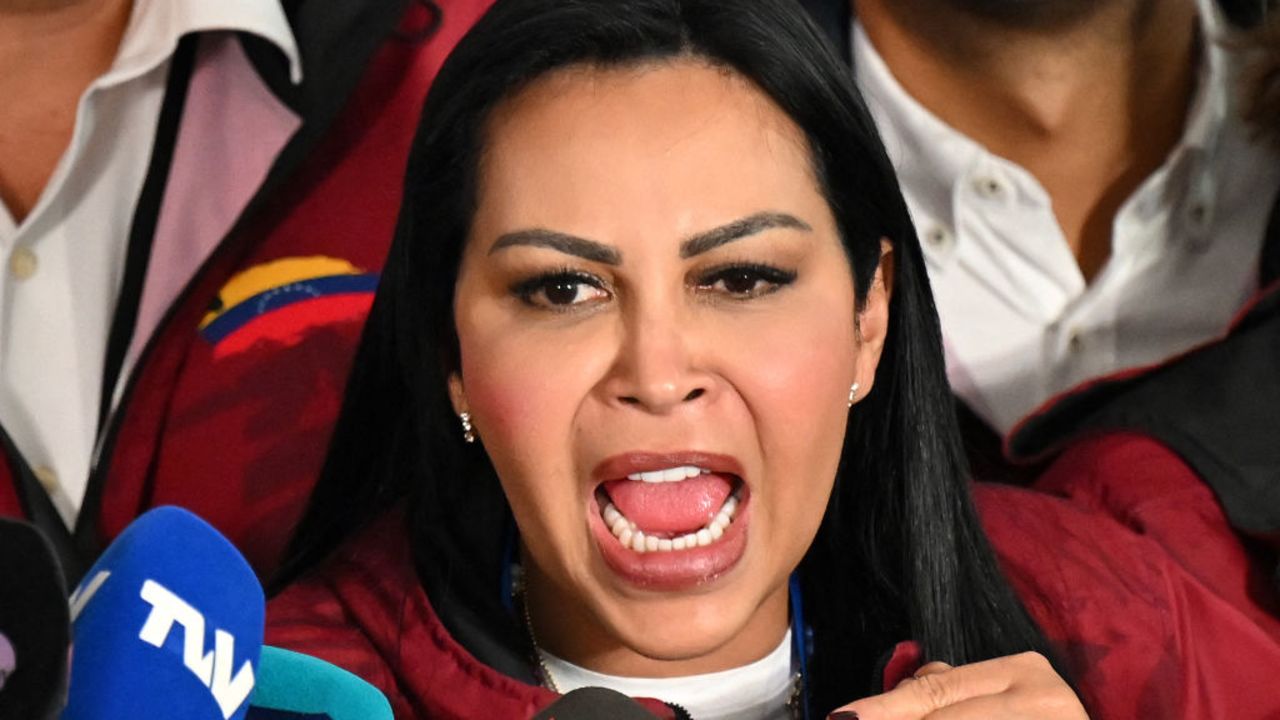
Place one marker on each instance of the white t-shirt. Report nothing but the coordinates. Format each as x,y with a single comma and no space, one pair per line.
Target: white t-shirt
62,268
758,691
1020,322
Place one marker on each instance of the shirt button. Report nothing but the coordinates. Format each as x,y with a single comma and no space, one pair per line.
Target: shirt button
22,263
989,188
48,478
1075,343
937,237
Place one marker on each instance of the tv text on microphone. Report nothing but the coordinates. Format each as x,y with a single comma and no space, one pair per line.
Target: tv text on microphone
168,622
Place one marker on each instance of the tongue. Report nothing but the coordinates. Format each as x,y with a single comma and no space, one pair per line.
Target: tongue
670,507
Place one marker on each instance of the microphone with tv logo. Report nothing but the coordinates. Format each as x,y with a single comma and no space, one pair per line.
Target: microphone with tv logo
167,624
35,632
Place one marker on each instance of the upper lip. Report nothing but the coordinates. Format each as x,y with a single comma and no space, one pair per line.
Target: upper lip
619,466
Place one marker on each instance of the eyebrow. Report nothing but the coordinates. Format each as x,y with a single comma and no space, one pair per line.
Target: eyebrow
738,229
567,244
696,245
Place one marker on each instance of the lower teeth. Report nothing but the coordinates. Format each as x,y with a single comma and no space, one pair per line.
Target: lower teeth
634,538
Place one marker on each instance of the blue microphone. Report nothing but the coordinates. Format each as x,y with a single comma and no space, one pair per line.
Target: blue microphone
167,624
294,686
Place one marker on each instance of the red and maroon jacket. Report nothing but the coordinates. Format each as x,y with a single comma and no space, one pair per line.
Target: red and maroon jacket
289,193
365,609
1143,637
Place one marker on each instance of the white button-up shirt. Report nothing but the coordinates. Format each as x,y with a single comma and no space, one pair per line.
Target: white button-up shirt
1020,322
63,265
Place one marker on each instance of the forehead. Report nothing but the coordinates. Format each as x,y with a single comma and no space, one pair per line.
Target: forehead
679,139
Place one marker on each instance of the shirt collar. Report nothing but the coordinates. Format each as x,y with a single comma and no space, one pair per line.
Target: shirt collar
932,157
758,690
156,26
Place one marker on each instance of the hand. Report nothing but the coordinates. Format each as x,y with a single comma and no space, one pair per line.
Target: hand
1014,687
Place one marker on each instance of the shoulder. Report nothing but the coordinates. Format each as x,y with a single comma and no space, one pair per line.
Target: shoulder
1142,635
348,610
365,610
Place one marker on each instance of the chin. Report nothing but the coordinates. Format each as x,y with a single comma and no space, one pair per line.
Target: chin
700,632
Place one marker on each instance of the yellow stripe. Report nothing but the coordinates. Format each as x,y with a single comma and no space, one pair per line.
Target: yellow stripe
260,278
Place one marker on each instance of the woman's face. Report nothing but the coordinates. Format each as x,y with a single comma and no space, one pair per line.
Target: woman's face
657,332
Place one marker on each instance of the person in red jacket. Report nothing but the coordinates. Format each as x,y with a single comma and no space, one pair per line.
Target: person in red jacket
191,256
652,397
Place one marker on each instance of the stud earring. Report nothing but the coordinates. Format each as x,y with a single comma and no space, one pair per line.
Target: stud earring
468,431
853,394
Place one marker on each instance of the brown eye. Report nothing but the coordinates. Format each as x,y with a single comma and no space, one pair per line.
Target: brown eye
562,293
745,281
740,282
561,290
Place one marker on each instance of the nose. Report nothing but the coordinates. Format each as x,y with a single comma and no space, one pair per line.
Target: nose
655,369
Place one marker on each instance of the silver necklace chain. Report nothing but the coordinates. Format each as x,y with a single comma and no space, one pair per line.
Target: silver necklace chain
548,680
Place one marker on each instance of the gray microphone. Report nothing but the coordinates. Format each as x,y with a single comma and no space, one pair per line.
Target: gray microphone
594,703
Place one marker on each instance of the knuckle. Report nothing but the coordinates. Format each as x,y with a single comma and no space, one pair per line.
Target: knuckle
1033,661
933,690
931,669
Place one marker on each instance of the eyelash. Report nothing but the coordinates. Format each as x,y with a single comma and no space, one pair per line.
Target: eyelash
560,279
528,289
774,278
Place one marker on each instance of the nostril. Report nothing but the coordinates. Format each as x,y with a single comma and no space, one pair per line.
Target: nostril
695,394
630,400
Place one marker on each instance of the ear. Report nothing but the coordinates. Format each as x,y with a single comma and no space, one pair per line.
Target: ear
873,321
457,396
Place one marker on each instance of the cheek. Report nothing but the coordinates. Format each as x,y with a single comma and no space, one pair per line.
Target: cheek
524,389
796,387
800,376
521,385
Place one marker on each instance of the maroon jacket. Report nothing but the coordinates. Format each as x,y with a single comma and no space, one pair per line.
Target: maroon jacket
1144,636
1140,580
293,192
365,610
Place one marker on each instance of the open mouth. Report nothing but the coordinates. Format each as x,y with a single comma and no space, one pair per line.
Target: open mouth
670,509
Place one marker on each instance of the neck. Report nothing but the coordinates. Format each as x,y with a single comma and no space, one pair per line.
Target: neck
1090,105
51,50
573,633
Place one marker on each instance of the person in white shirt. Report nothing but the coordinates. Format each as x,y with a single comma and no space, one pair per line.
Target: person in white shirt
1090,199
1095,183
74,154
195,200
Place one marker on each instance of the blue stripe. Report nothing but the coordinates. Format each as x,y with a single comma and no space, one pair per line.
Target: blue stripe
283,296
801,640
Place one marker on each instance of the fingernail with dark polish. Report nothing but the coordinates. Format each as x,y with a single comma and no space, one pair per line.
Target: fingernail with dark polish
843,715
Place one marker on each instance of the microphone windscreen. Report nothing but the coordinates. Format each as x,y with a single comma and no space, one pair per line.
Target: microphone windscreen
35,632
295,686
592,703
167,624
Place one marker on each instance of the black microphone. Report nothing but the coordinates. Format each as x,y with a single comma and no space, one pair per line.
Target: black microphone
35,625
594,703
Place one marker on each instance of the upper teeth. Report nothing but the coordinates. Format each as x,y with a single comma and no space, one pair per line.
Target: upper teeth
674,474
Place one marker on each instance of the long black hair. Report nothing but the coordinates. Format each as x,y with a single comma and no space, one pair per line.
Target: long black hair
899,554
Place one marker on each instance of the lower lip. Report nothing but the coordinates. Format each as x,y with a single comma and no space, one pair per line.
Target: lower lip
678,569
